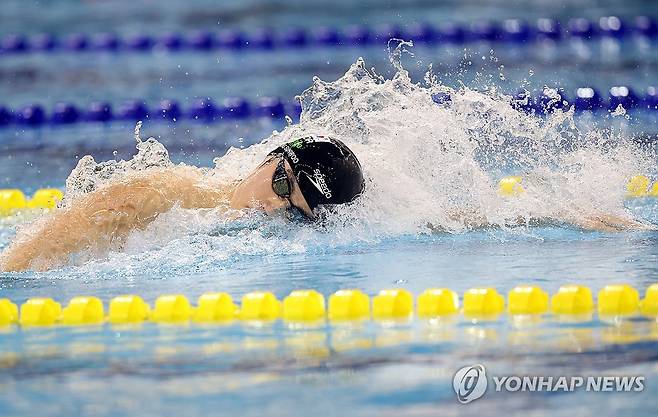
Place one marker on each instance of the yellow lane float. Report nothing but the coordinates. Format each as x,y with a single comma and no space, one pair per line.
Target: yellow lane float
615,300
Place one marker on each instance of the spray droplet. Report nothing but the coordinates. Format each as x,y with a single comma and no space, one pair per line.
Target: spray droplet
138,128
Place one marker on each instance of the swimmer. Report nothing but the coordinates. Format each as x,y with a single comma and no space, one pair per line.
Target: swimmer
300,177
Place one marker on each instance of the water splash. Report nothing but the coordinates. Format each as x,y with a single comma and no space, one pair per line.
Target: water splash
427,163
428,167
89,175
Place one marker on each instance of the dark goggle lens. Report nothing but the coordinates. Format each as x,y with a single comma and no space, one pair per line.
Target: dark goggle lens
280,181
281,187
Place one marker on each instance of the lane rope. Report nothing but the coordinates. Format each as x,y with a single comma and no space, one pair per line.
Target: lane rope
14,201
309,306
206,110
638,186
509,31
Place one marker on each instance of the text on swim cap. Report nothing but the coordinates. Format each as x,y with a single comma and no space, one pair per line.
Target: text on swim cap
291,154
321,183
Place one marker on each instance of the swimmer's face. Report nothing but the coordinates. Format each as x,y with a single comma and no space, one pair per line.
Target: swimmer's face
255,191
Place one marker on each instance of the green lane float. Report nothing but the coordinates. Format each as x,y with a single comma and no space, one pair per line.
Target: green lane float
307,305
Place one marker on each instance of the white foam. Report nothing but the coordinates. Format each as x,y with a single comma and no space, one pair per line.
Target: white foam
423,163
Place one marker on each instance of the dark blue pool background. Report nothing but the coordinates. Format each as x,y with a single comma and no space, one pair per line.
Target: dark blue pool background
84,78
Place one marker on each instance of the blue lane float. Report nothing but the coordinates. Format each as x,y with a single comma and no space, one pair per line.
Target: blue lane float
203,109
235,108
511,31
586,99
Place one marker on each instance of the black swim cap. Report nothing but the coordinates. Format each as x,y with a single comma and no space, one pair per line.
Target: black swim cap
327,171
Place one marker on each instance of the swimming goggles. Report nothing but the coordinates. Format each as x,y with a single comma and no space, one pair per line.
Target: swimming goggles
282,185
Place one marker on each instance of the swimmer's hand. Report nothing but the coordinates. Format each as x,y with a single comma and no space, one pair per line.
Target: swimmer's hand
102,220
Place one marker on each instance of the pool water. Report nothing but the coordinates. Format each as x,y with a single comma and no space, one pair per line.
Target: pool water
362,370
422,160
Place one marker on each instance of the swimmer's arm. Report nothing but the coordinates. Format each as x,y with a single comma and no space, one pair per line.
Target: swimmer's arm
104,218
600,222
603,222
